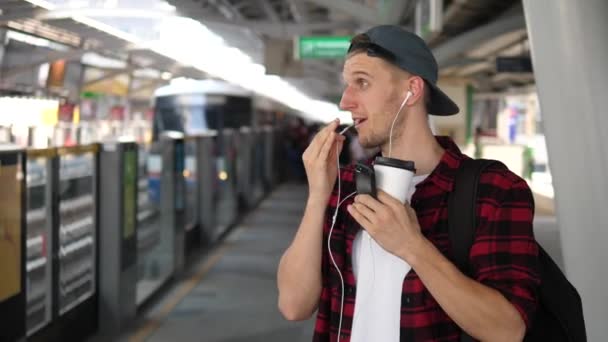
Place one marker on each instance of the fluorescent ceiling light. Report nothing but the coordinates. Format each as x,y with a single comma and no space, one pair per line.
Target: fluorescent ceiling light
42,3
165,6
99,61
191,43
147,73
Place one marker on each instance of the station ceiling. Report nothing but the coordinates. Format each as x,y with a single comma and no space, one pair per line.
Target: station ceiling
472,35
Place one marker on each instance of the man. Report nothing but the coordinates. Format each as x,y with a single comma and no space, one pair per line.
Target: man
372,241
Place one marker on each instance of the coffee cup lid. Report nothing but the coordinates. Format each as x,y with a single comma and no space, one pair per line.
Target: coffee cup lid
398,163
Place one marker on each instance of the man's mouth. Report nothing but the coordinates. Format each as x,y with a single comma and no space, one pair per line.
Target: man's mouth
359,121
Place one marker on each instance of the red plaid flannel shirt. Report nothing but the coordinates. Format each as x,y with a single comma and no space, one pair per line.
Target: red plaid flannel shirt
504,254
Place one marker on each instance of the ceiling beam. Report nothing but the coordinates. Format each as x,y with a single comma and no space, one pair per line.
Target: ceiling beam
298,11
8,5
270,12
475,68
462,62
235,11
131,68
500,43
451,12
515,91
112,74
147,84
290,30
284,31
469,40
49,58
21,14
394,11
356,10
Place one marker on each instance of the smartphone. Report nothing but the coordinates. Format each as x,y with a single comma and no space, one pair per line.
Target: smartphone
365,180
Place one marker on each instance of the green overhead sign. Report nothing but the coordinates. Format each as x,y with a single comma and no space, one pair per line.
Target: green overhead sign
322,47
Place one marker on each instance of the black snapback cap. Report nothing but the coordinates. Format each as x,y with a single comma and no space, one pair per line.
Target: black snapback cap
410,53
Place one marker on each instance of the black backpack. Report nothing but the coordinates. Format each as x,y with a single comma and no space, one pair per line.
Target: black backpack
559,317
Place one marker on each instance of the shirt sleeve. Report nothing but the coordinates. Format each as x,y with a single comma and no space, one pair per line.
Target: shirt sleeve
504,254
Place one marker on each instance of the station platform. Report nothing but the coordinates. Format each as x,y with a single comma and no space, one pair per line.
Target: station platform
150,150
230,293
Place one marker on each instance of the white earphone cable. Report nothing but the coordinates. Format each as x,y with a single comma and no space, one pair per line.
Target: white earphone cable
339,203
333,222
390,137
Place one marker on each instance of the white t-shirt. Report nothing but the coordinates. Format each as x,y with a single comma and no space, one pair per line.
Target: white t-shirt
379,275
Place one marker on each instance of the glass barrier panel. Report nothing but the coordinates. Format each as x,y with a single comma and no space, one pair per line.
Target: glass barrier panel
38,244
154,249
191,180
77,218
225,161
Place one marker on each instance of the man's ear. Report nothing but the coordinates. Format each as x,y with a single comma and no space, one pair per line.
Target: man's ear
416,86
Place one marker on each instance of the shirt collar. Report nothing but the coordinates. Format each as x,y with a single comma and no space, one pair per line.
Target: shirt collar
444,173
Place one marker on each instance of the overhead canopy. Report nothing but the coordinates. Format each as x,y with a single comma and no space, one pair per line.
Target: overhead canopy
248,37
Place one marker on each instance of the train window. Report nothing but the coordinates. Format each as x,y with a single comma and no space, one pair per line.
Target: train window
237,112
195,120
193,113
169,119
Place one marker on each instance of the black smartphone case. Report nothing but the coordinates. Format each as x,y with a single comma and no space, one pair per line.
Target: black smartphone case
365,179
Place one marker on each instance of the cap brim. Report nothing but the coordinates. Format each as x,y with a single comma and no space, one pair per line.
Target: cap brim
441,104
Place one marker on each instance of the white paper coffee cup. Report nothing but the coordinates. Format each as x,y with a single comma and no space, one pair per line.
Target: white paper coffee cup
394,176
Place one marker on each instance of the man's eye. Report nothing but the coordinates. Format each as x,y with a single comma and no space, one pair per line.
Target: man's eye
362,83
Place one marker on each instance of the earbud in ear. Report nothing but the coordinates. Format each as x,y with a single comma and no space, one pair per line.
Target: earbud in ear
408,95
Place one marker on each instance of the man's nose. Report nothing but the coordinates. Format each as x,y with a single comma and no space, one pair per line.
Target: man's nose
347,102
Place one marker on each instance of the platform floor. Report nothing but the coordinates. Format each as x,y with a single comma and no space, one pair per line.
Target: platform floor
231,295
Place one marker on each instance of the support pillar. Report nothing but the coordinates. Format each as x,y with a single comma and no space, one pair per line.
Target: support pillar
569,51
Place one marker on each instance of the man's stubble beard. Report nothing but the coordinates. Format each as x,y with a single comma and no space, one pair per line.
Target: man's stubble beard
374,140
378,140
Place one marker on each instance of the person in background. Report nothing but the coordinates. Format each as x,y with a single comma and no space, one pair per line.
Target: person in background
296,142
477,142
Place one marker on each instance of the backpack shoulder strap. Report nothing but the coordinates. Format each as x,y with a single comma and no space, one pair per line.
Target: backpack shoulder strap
462,214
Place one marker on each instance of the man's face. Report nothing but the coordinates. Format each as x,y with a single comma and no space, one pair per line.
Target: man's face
372,96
